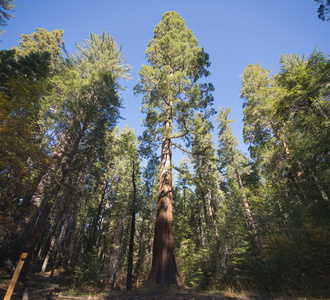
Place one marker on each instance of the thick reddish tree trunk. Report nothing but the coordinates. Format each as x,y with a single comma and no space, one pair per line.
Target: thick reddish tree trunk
164,270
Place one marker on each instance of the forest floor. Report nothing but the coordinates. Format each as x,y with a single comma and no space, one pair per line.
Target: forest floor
65,289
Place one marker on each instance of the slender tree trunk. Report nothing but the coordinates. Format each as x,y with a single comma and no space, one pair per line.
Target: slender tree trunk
140,255
164,270
202,234
211,211
129,278
206,216
132,233
43,214
52,243
96,221
37,207
248,212
34,238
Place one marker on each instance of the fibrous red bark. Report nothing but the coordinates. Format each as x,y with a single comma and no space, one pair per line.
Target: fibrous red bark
164,270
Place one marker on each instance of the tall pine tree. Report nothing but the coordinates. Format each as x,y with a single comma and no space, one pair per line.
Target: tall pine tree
171,99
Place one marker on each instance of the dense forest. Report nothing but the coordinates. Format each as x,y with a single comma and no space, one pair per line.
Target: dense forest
81,194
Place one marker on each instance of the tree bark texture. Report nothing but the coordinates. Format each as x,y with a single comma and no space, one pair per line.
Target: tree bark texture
164,270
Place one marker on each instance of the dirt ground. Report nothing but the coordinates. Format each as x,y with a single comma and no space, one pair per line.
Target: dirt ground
64,282
184,294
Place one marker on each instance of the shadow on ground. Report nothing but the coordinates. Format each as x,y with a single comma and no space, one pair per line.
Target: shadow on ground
64,283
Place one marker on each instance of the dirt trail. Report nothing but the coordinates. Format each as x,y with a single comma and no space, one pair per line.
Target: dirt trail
193,295
37,280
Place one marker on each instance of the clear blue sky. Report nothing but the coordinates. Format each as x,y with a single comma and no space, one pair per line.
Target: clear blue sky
234,33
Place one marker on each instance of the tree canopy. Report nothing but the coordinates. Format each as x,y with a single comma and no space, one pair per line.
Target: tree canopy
323,10
6,7
109,209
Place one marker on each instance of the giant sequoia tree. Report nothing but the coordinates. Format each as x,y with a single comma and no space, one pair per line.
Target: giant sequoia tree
172,97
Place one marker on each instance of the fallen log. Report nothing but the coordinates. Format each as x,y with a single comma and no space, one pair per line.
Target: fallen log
42,291
30,283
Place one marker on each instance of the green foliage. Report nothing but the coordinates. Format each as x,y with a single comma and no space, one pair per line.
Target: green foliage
23,76
285,123
21,87
42,41
6,6
191,264
31,67
169,83
323,10
101,53
230,158
89,268
254,224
